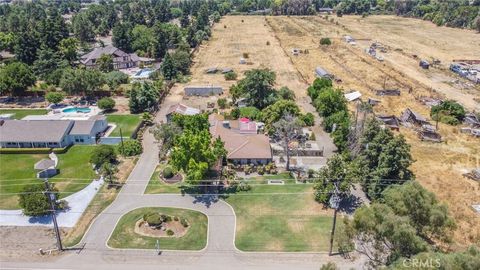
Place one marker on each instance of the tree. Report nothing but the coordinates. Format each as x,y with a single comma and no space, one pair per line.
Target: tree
429,218
122,36
257,87
222,103
107,104
15,78
325,41
336,172
287,130
54,97
147,118
108,171
130,148
383,236
26,46
165,134
143,40
449,112
115,78
308,119
318,86
103,154
181,61
277,111
230,76
143,97
83,28
68,49
47,63
105,63
81,81
330,101
33,201
286,93
169,69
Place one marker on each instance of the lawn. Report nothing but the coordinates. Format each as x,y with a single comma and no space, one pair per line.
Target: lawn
195,239
280,217
273,217
16,171
126,122
155,185
20,113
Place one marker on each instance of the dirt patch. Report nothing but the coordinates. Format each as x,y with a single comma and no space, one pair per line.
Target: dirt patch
23,243
121,105
142,228
274,245
296,225
438,167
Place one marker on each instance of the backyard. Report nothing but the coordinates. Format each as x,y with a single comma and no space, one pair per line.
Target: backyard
126,122
21,113
124,235
16,171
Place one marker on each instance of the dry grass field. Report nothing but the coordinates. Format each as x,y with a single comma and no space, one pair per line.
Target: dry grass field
439,167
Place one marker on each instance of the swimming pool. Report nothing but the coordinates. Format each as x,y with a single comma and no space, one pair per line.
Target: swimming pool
76,110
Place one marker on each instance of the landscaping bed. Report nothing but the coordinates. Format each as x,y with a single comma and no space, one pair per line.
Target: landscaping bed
158,185
130,234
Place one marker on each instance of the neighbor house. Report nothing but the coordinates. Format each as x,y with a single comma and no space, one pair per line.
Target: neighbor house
121,59
242,142
50,133
182,109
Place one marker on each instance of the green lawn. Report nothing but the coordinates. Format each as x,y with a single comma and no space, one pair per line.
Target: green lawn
273,217
126,122
155,185
20,113
124,235
16,171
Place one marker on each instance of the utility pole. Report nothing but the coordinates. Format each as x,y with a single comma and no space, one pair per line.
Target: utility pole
334,203
52,199
121,139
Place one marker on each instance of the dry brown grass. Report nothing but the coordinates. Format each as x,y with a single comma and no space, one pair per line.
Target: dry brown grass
438,167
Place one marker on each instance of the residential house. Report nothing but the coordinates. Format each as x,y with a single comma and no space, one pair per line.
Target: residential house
50,133
242,142
121,59
180,109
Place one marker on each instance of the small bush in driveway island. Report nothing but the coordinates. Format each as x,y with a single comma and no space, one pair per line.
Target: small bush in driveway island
168,172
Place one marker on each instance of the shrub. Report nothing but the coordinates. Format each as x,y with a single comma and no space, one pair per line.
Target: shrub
167,218
54,97
168,172
235,113
448,112
222,103
244,186
106,103
268,43
230,76
312,137
325,41
130,148
103,154
245,55
153,219
184,222
175,218
308,119
170,232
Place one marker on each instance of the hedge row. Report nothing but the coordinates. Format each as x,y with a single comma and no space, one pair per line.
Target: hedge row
33,150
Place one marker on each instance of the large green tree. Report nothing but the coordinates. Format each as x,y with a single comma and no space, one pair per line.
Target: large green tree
81,81
257,87
277,111
143,97
15,78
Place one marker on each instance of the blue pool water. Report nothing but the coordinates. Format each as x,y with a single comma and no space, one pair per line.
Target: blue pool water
76,110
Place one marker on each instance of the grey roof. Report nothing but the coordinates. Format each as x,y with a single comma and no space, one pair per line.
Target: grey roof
321,72
34,131
203,90
44,164
82,127
97,52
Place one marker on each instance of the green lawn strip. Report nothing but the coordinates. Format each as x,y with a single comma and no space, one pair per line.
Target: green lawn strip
126,122
156,185
21,113
277,218
16,171
195,239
